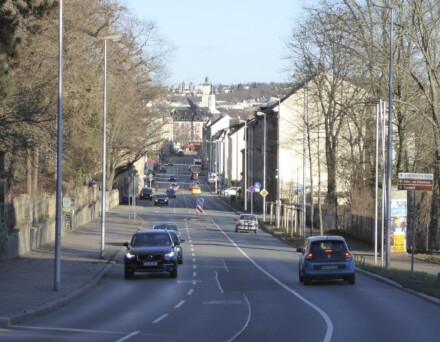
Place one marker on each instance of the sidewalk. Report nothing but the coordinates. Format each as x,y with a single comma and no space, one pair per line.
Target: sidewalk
27,281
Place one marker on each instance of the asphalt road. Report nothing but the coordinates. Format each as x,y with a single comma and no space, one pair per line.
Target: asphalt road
230,287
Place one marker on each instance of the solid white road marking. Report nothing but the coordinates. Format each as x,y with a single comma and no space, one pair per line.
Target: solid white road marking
329,333
125,338
190,292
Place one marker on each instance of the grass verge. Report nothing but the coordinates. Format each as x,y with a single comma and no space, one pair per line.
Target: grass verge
417,281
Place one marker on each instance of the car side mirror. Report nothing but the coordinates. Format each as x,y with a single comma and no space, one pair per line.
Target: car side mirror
300,250
125,244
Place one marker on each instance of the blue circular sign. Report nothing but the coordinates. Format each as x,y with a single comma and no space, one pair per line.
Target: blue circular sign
200,201
257,185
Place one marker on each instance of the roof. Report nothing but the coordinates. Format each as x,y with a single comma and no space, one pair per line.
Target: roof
326,237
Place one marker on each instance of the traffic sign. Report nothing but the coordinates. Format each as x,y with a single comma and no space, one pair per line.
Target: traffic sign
200,201
199,209
251,189
415,181
257,185
264,192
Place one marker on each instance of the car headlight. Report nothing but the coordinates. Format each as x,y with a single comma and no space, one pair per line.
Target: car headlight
170,255
129,255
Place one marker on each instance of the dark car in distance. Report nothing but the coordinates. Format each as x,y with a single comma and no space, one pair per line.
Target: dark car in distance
325,257
150,251
167,226
172,178
178,243
163,169
171,193
161,199
146,193
170,163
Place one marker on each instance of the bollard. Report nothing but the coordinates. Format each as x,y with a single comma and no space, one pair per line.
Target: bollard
438,279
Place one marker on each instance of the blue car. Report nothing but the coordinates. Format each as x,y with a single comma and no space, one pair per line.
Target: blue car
325,257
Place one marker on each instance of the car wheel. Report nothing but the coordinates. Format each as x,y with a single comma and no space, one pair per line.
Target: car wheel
301,278
173,273
352,279
236,230
307,280
180,261
256,231
128,274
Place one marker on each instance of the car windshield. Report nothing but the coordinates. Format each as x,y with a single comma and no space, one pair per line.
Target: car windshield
322,249
174,237
147,191
248,217
151,240
161,196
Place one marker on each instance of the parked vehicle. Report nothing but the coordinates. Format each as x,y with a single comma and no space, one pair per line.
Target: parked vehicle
150,251
231,191
146,193
194,175
325,257
247,222
212,177
163,169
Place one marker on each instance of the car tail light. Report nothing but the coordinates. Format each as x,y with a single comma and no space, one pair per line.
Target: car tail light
348,256
309,256
238,223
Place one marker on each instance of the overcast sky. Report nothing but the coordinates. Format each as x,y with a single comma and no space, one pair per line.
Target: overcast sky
230,41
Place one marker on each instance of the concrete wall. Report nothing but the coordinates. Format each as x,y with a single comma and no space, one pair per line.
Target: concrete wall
31,230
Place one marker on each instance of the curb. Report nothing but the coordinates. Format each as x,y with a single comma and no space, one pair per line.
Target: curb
6,322
421,295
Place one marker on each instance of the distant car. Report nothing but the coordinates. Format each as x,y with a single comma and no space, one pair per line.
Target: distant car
167,226
172,178
163,169
230,191
181,153
161,199
196,190
325,257
170,163
146,193
151,251
212,177
194,175
247,222
171,193
178,243
192,185
175,186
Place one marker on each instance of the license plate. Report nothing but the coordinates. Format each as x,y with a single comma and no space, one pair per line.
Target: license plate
150,263
329,267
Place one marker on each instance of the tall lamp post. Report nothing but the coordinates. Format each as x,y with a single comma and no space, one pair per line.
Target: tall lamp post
57,270
387,5
104,128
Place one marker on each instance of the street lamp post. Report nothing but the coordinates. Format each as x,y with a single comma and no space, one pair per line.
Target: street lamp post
387,5
104,128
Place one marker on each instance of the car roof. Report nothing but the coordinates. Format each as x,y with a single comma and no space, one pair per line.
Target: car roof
325,238
155,231
169,222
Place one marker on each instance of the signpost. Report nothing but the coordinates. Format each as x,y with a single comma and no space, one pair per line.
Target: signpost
257,187
252,190
415,181
199,206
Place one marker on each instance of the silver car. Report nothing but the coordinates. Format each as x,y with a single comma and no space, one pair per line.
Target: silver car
247,222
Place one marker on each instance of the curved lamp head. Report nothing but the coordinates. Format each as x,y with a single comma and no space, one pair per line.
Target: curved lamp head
382,4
